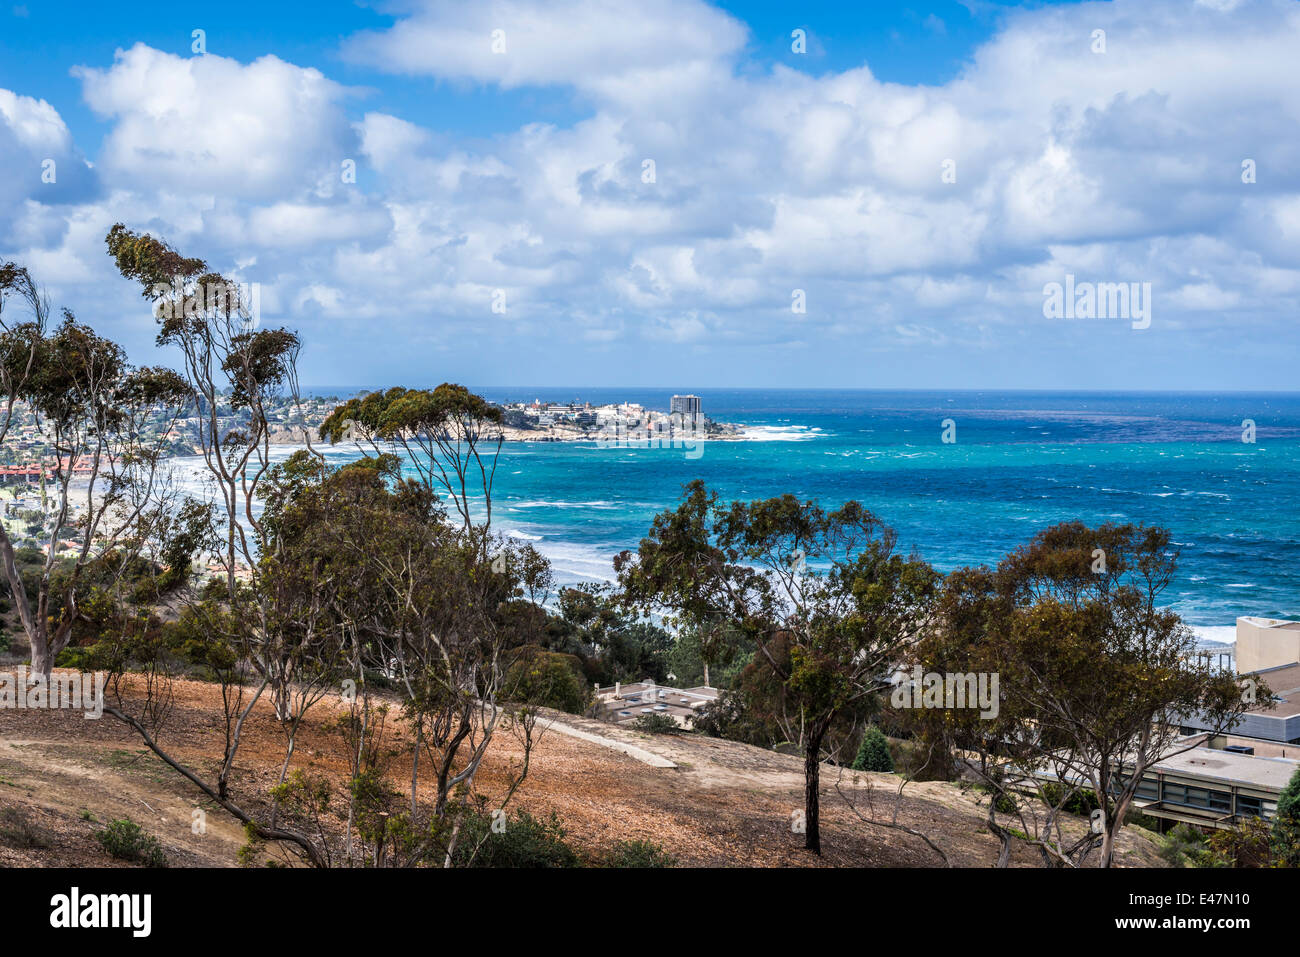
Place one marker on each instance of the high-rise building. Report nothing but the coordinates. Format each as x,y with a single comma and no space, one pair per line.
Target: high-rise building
690,404
686,412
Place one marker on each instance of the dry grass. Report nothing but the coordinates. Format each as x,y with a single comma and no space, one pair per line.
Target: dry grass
725,804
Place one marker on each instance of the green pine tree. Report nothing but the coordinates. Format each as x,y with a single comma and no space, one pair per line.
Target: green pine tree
873,753
1286,825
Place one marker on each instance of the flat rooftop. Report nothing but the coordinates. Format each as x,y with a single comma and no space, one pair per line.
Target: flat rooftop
1228,767
1284,682
643,698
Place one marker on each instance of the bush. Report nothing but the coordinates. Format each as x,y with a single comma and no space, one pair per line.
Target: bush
1184,846
4,641
1081,801
1286,825
873,753
656,724
546,679
525,841
125,840
638,854
18,832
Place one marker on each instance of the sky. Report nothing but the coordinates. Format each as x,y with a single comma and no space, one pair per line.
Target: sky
604,193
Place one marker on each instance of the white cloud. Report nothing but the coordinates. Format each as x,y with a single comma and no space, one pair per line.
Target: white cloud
1122,166
211,125
584,43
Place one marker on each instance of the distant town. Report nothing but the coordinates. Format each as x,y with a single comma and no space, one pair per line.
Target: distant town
625,421
27,458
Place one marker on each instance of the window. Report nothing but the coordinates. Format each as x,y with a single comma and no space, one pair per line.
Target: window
1192,796
1248,806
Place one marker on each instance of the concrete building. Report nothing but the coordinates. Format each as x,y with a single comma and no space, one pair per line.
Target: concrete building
1213,788
624,703
1266,643
686,413
1240,773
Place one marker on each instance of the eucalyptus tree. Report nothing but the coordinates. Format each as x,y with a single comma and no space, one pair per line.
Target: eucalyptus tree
451,437
821,596
1096,676
105,423
235,371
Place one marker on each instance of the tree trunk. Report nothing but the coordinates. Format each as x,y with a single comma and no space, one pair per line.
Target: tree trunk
42,660
812,767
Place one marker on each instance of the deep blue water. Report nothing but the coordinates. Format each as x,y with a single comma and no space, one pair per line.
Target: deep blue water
1022,461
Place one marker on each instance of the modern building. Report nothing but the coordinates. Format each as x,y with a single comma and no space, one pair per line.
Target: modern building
1241,772
1266,643
1267,656
686,412
624,703
1211,787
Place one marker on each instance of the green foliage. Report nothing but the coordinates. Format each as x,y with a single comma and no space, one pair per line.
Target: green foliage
125,840
873,754
1245,844
656,724
548,680
729,717
1183,846
1080,801
637,854
525,841
1286,825
613,645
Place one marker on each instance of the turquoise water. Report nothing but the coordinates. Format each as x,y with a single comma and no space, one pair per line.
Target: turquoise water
1021,462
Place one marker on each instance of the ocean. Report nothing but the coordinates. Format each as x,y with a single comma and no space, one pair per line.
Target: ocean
1020,462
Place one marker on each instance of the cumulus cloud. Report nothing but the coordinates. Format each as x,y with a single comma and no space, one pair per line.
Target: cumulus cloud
592,44
210,125
42,167
699,189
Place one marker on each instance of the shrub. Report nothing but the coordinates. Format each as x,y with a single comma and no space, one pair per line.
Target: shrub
638,854
1285,836
1243,845
125,840
873,753
1183,846
1081,801
18,832
546,679
656,724
525,841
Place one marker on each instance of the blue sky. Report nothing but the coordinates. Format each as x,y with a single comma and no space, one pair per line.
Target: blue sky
916,179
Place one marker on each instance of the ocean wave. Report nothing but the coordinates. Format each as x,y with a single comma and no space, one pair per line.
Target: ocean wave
782,433
1216,634
547,503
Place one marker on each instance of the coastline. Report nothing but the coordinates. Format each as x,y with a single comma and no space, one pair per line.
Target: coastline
724,432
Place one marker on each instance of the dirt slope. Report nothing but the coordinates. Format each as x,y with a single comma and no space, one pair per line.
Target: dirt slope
724,804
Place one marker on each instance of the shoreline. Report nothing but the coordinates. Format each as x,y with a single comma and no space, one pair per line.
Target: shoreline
555,433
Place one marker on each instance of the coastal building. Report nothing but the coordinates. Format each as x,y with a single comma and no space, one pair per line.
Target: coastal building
1212,787
1268,657
1266,643
625,703
686,413
1240,773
